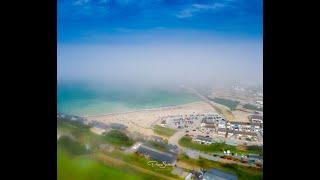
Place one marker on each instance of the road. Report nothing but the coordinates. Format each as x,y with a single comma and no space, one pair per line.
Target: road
174,139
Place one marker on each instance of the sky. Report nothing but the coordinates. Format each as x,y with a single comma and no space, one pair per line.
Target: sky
160,41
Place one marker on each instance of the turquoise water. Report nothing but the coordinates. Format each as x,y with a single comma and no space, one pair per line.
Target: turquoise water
84,99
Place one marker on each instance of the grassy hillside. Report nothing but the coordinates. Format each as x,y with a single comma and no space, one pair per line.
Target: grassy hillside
86,168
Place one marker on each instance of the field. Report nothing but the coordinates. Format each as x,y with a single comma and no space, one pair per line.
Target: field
86,168
243,172
167,132
76,161
140,161
83,134
227,102
219,147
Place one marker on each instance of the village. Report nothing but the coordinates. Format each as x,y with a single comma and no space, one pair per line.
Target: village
212,127
204,128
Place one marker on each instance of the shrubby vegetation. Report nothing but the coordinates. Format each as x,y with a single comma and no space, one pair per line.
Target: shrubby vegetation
71,146
219,147
227,102
118,138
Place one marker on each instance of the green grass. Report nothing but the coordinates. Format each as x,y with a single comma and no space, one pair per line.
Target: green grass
227,102
219,147
118,138
141,161
80,132
72,146
252,107
85,168
83,134
243,172
74,161
163,131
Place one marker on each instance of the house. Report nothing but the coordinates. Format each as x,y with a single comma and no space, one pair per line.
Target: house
222,125
256,118
206,122
215,174
163,123
210,126
157,155
203,140
98,124
222,131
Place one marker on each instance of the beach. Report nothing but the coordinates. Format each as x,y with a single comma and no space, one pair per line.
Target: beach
142,120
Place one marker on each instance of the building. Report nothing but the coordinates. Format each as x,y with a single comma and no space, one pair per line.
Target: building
209,127
157,155
203,140
222,131
215,174
98,124
163,123
256,118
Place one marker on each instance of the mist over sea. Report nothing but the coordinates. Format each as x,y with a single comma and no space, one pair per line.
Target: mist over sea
83,98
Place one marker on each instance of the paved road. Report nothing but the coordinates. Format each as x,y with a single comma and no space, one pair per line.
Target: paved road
174,139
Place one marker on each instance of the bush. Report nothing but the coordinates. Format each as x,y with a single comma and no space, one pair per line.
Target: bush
71,146
118,138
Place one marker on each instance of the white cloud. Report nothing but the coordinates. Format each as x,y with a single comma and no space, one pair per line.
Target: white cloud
197,8
209,6
81,2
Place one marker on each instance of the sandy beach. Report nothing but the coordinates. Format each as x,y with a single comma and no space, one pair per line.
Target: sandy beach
142,120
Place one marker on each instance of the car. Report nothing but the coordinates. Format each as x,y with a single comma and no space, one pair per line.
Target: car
194,130
187,131
207,136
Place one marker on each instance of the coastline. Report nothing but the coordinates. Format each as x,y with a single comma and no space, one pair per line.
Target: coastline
141,110
141,121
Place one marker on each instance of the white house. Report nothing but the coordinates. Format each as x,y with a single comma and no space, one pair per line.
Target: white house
203,140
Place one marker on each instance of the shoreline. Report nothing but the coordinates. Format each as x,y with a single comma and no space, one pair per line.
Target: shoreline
141,110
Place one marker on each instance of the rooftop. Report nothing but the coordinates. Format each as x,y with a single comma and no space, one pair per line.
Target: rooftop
202,138
157,155
215,174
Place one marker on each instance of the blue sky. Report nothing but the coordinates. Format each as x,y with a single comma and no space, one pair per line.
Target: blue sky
207,25
78,19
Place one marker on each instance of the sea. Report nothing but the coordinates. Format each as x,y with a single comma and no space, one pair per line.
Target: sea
86,99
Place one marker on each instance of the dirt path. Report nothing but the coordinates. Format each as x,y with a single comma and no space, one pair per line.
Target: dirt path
116,162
